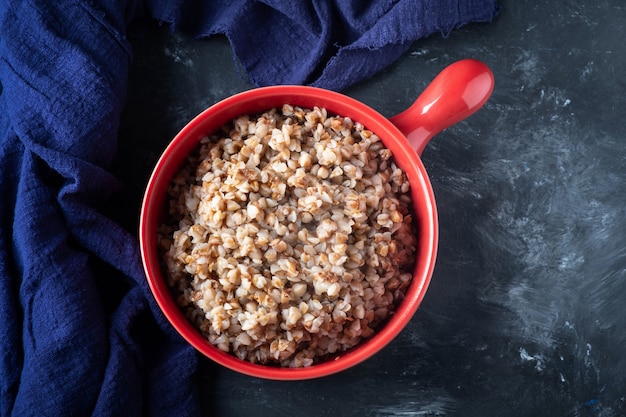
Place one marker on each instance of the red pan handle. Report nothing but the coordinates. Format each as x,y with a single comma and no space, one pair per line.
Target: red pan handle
456,93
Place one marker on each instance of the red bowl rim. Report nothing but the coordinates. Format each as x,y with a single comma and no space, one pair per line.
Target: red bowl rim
254,101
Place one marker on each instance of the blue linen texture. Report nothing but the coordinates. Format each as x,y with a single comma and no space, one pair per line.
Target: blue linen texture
80,333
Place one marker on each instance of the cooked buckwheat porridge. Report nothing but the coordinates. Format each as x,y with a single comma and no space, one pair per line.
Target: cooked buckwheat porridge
289,237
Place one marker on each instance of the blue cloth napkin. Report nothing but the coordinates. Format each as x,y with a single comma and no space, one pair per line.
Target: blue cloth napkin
80,333
329,44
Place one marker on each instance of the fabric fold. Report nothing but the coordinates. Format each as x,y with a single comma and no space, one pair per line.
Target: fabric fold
85,336
329,44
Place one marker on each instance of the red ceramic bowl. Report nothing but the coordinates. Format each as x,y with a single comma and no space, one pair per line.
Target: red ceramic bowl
458,91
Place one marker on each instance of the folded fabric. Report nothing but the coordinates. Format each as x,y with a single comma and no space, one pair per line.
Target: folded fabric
79,331
329,44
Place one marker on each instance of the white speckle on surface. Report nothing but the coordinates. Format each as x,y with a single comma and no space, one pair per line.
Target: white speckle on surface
587,71
178,57
537,359
177,50
420,52
571,261
439,406
527,68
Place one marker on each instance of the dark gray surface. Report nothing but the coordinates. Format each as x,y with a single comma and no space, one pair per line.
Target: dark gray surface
525,315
